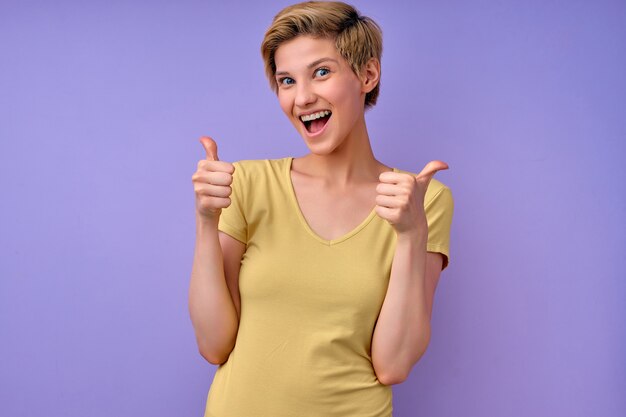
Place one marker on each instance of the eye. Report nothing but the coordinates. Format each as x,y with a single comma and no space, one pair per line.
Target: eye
285,81
317,71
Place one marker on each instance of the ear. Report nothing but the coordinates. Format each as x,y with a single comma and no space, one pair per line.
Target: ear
370,75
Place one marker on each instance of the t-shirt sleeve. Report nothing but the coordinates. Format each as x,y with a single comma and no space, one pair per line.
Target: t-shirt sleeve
439,212
232,220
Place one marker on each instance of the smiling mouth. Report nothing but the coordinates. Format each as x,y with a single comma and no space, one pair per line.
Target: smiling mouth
314,126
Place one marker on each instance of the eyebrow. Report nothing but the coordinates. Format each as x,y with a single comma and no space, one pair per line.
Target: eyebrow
311,65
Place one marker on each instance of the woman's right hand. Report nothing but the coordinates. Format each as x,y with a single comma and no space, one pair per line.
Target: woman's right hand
211,182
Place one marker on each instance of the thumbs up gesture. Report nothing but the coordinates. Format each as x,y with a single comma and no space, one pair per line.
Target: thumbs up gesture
211,182
400,198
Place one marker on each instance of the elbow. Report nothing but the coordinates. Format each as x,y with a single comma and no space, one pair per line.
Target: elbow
215,354
392,379
400,373
213,357
392,376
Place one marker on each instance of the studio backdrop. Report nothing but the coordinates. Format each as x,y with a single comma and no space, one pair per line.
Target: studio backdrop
102,104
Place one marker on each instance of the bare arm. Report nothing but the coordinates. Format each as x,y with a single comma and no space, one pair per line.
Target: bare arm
402,332
214,287
213,290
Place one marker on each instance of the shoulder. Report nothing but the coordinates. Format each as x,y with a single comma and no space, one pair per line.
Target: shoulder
260,174
249,165
253,166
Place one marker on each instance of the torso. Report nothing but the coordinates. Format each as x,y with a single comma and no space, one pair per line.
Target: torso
332,213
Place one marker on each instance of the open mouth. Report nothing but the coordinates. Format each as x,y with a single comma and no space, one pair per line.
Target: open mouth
316,125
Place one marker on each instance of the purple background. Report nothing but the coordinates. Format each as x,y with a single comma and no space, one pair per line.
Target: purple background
101,107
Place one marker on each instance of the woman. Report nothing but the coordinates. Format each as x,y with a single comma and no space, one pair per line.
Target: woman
313,277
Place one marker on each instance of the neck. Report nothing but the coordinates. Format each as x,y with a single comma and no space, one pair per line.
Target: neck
351,163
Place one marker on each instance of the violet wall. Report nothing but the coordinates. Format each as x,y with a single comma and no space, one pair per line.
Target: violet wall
101,107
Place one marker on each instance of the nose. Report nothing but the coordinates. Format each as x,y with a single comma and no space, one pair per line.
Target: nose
304,94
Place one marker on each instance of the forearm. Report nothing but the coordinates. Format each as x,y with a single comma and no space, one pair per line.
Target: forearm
212,311
403,329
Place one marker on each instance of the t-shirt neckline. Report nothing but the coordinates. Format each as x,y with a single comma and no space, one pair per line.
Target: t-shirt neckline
294,200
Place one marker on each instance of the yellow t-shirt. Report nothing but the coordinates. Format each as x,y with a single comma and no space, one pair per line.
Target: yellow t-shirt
308,305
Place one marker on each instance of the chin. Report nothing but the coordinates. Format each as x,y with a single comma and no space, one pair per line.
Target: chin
322,148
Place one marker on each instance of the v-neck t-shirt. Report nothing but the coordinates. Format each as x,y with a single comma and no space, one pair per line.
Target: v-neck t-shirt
309,305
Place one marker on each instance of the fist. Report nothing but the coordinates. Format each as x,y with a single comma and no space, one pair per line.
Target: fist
211,182
400,198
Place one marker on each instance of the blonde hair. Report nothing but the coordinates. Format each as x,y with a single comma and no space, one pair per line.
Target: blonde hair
357,38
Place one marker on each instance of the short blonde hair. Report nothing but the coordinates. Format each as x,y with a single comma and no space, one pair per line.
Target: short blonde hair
357,38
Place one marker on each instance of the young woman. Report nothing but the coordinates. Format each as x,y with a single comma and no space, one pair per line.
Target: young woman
313,279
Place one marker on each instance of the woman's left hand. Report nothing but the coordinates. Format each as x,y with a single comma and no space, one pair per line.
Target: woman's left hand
400,198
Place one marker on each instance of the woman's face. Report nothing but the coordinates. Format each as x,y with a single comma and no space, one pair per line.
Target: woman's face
313,77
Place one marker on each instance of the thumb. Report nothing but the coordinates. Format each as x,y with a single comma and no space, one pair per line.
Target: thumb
210,147
431,168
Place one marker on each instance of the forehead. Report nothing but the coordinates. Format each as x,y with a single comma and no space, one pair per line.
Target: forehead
302,50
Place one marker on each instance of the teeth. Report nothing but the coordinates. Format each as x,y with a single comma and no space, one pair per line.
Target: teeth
314,116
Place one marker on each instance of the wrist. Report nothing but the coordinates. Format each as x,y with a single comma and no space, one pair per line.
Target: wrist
414,236
204,222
